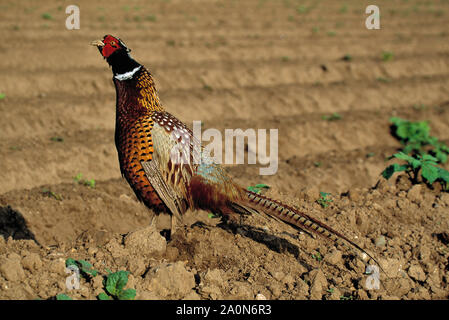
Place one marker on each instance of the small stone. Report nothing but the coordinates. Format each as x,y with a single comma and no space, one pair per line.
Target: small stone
392,267
403,204
192,296
311,194
444,197
32,262
147,295
380,241
57,266
213,276
362,295
275,289
170,280
414,194
378,207
319,283
335,294
416,273
334,257
260,296
212,291
355,195
278,275
147,241
11,269
136,265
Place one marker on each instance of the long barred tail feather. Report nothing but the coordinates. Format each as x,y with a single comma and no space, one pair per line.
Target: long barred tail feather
297,219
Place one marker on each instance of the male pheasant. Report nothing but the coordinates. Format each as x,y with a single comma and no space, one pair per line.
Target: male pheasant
172,182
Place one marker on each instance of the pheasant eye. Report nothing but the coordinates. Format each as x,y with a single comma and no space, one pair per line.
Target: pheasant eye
112,43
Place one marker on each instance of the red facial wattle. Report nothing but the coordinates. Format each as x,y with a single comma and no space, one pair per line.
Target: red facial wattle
108,50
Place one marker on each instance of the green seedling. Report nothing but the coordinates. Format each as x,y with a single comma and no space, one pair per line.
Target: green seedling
334,116
213,216
415,136
2,96
331,33
89,183
57,139
324,201
302,9
47,16
51,194
317,164
85,268
425,165
258,188
208,87
151,18
79,179
317,256
384,80
63,296
347,57
114,284
344,8
387,56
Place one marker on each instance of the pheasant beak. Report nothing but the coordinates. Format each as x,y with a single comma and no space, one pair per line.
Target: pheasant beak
98,43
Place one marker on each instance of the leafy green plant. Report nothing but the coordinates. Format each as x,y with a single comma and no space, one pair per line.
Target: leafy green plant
334,116
384,80
63,296
347,57
47,16
317,256
258,188
302,9
415,137
343,8
151,18
208,87
85,268
324,201
387,56
79,179
49,193
2,96
414,165
57,139
114,284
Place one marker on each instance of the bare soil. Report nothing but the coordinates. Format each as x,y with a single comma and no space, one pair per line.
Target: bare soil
232,64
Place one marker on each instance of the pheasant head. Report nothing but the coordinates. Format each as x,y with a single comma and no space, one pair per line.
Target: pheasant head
116,54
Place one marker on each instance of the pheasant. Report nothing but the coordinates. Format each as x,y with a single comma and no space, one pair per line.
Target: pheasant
173,182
